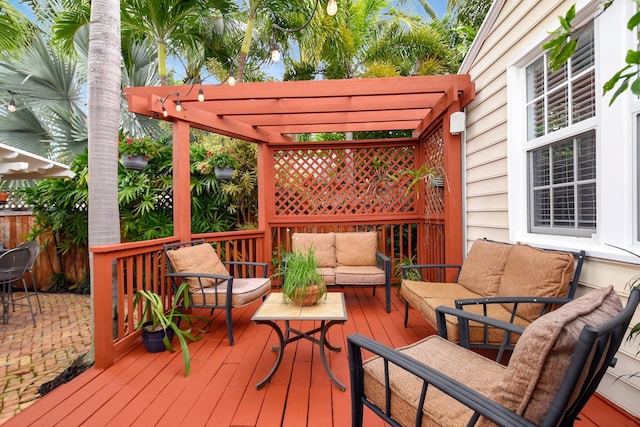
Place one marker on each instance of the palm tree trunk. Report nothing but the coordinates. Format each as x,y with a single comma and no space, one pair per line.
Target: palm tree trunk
246,43
103,122
162,62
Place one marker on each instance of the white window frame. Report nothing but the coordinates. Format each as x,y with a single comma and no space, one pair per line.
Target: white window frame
615,127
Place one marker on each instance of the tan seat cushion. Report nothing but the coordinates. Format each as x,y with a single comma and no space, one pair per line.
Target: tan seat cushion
482,269
539,361
323,244
465,366
357,248
476,330
414,292
535,272
201,259
245,291
359,275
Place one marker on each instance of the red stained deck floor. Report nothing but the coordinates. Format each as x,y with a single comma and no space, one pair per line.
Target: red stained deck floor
147,389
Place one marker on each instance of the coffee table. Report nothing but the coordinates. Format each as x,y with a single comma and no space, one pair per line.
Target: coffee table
329,311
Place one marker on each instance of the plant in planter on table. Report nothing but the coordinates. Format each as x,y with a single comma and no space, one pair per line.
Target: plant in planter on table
222,163
135,152
302,282
160,325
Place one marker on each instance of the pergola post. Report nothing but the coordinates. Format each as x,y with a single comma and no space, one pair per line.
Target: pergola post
181,181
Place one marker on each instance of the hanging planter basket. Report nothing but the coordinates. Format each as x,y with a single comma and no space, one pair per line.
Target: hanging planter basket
137,162
223,173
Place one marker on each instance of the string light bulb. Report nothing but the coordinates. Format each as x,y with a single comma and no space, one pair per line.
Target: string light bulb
12,105
231,80
332,7
178,105
200,95
275,51
165,113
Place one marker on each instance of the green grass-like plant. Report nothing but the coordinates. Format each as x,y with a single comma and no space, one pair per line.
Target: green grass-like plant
299,270
161,319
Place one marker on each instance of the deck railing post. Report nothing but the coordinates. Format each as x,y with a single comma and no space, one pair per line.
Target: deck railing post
102,302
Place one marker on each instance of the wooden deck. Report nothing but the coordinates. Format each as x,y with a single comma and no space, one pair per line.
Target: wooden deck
150,389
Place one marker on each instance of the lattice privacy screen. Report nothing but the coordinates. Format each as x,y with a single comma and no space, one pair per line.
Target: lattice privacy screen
435,188
342,181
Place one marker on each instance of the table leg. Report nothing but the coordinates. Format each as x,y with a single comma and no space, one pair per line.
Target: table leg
279,349
324,343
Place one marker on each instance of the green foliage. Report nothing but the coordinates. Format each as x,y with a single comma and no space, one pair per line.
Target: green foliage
162,319
299,270
562,46
144,198
133,146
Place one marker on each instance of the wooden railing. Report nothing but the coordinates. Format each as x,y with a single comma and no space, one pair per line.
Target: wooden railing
121,270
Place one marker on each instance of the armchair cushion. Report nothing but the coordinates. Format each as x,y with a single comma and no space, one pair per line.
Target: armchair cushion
245,291
536,273
323,244
467,367
356,248
542,356
201,259
359,275
482,269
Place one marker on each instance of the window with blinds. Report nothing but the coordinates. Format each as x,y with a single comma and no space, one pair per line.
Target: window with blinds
563,186
557,99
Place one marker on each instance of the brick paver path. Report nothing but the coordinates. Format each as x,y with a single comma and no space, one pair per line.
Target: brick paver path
31,356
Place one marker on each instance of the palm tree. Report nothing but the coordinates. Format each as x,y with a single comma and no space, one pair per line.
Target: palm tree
168,21
15,28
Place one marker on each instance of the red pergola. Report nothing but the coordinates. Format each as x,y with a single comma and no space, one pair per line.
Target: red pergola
269,113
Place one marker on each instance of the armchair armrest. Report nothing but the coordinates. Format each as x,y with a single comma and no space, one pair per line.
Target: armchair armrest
247,268
177,278
480,404
545,302
429,272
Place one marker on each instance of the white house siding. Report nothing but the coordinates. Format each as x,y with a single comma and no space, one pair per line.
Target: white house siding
513,29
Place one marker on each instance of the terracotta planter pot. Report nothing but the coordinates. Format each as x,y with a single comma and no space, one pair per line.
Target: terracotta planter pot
310,297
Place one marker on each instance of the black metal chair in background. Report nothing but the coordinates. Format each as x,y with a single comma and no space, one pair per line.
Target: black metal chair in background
34,250
13,265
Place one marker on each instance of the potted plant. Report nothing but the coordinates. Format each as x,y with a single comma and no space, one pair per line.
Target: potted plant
222,163
302,283
159,325
135,152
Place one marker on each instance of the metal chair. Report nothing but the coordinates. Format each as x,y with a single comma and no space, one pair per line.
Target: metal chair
13,265
34,250
555,368
214,284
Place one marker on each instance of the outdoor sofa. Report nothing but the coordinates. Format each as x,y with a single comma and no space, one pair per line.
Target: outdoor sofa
515,283
348,259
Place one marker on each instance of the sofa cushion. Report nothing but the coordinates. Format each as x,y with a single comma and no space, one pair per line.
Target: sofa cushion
535,272
328,274
359,275
465,366
201,259
532,378
414,292
482,269
245,291
357,248
324,245
476,330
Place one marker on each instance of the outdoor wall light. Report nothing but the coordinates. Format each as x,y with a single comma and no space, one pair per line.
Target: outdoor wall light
332,7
